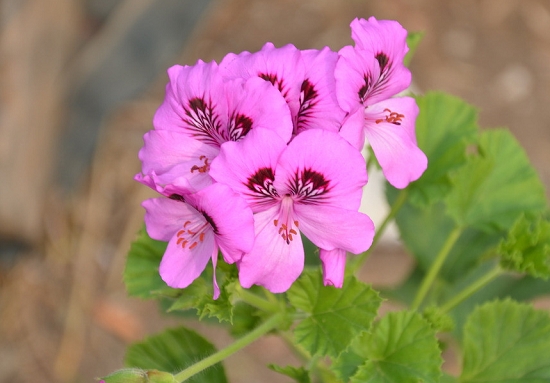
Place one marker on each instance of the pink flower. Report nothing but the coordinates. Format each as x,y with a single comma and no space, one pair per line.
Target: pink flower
200,112
312,186
196,226
367,76
304,78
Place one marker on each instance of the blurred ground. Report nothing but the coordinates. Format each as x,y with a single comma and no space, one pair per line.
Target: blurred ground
80,81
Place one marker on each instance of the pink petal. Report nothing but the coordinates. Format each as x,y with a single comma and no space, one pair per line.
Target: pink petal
381,36
361,80
195,103
353,128
164,217
331,227
272,263
179,266
394,143
320,167
256,103
334,266
319,107
283,67
248,167
230,217
171,155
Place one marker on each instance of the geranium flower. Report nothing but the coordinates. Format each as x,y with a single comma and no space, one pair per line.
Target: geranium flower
200,112
312,186
196,226
304,78
367,76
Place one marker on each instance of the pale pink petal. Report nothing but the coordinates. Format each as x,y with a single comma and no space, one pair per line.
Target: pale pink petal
164,217
353,128
320,167
283,67
390,130
230,218
195,103
214,279
272,263
361,80
381,36
256,103
171,155
332,228
319,108
180,266
248,167
334,266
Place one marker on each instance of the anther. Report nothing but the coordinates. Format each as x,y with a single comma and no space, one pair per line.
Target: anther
193,246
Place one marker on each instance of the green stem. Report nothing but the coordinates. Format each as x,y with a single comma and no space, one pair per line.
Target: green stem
361,258
254,300
429,278
472,288
255,334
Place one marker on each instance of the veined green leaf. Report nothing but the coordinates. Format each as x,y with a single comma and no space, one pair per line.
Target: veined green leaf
402,348
174,350
506,341
141,274
333,316
298,374
444,128
495,186
527,247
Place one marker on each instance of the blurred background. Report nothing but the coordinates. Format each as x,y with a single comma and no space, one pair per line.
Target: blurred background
79,83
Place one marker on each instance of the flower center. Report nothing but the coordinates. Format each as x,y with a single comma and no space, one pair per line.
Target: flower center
391,117
201,169
192,234
203,122
309,186
286,222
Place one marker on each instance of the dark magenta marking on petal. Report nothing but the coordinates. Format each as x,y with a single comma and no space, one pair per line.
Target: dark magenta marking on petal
261,183
177,197
363,92
203,122
275,81
383,61
239,126
308,100
210,221
309,185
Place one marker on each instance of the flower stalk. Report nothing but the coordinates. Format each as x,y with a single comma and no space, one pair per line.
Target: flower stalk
438,262
252,336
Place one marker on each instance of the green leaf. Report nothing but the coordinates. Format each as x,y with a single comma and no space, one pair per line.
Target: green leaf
439,320
299,374
198,296
505,341
413,40
436,226
141,274
402,348
172,351
333,316
495,186
527,247
444,128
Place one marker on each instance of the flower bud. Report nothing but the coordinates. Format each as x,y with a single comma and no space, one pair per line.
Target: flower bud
136,375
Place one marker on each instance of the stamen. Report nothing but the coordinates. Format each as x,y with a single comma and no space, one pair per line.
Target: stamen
193,246
276,222
192,232
204,168
393,117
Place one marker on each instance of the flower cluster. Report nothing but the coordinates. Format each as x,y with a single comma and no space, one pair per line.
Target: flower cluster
253,152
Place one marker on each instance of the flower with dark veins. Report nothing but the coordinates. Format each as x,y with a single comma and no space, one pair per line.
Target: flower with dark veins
367,77
196,226
312,186
304,78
